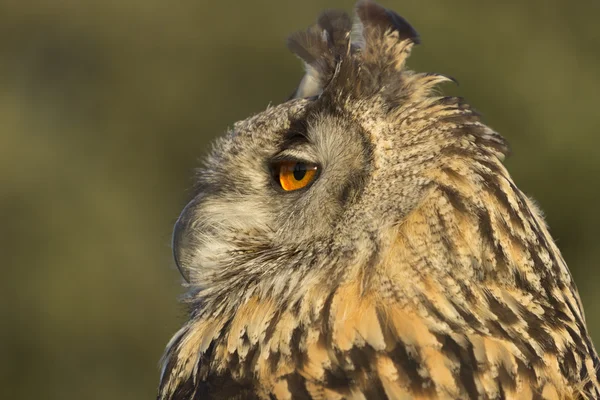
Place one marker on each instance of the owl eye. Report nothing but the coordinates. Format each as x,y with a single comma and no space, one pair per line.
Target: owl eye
294,175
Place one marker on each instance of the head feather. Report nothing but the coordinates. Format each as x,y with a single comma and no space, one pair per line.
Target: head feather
353,60
321,47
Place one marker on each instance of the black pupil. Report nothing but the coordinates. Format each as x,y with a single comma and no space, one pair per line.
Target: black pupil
299,171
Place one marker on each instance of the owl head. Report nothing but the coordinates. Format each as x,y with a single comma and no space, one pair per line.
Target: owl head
314,189
364,240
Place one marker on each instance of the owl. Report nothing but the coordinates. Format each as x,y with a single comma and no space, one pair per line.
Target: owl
363,240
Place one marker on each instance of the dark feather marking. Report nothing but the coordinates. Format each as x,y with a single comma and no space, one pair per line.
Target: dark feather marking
539,334
438,75
493,166
536,327
439,315
274,358
538,396
467,291
186,390
448,101
469,318
362,357
336,379
354,187
501,310
583,340
568,365
487,232
233,361
460,119
295,134
453,174
467,362
297,387
247,365
298,356
410,365
455,198
458,151
446,240
484,223
271,326
538,231
224,387
495,142
522,282
501,393
497,330
326,315
526,370
507,379
493,186
374,389
560,315
404,359
454,103
295,308
577,340
546,278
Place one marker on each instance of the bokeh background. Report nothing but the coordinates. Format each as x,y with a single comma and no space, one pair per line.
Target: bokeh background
106,107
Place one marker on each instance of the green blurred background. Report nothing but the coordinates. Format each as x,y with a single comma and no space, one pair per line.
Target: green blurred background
106,107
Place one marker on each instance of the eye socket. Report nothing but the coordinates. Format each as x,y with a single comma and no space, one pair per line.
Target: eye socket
294,175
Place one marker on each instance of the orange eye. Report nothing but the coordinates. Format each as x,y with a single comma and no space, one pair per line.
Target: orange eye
294,175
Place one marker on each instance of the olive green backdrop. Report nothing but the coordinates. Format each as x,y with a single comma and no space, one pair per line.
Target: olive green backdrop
106,107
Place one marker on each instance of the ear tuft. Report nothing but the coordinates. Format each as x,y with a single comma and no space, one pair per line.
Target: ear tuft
321,47
309,45
372,15
387,38
352,59
338,26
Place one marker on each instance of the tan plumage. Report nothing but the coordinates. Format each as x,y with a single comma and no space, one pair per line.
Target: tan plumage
412,267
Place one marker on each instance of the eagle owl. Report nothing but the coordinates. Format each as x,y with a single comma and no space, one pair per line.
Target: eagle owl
363,240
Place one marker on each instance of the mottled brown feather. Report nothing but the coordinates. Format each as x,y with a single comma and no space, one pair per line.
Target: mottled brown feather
430,275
